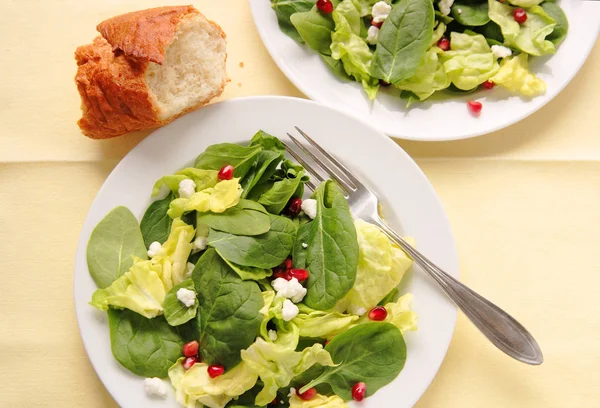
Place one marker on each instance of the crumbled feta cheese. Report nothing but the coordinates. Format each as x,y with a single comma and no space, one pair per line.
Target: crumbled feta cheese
309,206
289,310
361,311
459,11
291,289
501,51
155,386
380,11
272,335
189,270
154,249
373,35
187,187
445,6
186,296
292,392
304,245
200,244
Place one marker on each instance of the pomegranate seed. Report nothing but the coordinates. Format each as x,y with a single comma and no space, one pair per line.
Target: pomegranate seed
327,342
376,24
189,362
383,83
288,263
215,370
358,391
282,275
190,349
520,15
325,6
475,107
378,313
488,84
295,206
273,403
300,274
444,44
226,172
308,394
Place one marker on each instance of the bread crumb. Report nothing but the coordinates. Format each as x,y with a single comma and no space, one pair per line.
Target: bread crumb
239,84
241,64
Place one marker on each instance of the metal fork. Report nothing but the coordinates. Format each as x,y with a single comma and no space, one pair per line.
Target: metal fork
500,328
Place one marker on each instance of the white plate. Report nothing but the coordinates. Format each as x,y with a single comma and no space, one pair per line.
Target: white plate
410,204
439,120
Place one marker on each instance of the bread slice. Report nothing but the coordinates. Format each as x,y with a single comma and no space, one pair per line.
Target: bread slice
147,68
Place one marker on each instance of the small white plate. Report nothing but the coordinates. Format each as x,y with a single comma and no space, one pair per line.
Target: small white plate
410,204
431,120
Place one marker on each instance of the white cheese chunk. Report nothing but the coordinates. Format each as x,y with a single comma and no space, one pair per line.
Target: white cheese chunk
155,386
380,11
154,249
500,51
290,289
187,188
289,310
372,36
309,206
186,296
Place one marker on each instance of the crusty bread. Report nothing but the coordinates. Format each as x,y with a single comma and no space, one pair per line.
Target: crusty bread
147,68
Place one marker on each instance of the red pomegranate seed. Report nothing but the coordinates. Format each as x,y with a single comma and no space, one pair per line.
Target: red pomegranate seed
444,44
358,391
520,15
383,83
378,313
488,84
376,24
273,403
300,274
327,342
189,362
475,107
190,349
288,263
325,6
295,206
215,370
226,172
308,394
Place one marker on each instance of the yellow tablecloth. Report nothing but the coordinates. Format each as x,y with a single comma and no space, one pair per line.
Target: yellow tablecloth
523,202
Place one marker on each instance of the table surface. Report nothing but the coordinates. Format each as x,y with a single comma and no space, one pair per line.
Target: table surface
523,203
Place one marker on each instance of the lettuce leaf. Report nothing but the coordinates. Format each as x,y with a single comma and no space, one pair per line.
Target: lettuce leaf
174,253
470,60
320,324
381,267
529,37
202,178
319,401
430,76
525,3
195,385
399,314
514,75
223,195
277,365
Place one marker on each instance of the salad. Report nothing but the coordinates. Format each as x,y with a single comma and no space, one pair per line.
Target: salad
421,47
242,294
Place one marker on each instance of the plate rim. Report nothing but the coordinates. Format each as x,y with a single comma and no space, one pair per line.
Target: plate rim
307,90
83,237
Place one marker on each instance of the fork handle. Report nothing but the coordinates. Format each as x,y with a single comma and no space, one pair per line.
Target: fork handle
498,326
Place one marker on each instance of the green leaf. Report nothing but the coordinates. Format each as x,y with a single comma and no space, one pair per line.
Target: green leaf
315,28
389,298
248,272
246,218
492,32
266,164
373,353
240,157
112,245
284,9
146,347
175,311
156,224
228,314
267,142
276,198
404,37
562,24
262,251
332,254
470,14
336,66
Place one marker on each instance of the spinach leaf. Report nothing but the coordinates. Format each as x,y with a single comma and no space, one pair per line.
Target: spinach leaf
228,314
443,18
176,312
470,14
156,224
261,251
562,24
315,28
403,40
248,272
112,245
286,183
265,166
390,297
284,9
146,347
240,157
373,353
336,66
245,218
332,254
491,31
267,142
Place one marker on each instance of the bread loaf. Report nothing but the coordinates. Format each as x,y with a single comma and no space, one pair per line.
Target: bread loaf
147,68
